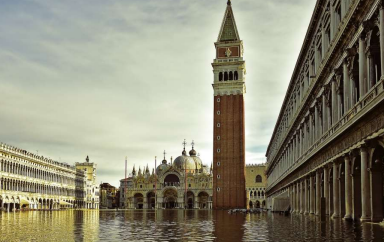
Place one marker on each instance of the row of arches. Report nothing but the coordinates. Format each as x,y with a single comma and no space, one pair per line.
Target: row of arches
170,199
256,194
14,203
24,186
228,76
34,172
257,204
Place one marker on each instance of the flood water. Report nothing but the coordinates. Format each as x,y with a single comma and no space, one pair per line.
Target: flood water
178,225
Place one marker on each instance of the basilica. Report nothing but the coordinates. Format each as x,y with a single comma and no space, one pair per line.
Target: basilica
181,183
184,183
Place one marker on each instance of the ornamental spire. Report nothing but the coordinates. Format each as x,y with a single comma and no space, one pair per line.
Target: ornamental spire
228,30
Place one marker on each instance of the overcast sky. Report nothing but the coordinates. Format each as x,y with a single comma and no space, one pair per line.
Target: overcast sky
133,78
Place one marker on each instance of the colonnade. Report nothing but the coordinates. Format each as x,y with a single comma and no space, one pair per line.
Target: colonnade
357,77
352,186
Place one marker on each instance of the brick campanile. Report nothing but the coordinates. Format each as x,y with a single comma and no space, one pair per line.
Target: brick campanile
228,135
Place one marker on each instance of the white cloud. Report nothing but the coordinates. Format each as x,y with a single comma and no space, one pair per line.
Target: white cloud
131,78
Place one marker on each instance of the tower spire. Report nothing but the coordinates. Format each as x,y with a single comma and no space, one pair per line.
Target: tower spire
228,30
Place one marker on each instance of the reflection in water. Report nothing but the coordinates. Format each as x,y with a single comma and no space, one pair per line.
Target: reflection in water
178,225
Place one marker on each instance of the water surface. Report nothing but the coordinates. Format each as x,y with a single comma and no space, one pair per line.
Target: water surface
178,225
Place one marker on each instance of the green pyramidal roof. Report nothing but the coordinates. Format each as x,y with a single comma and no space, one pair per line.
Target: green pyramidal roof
228,31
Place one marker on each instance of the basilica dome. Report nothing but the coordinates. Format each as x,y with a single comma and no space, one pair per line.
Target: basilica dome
162,167
188,162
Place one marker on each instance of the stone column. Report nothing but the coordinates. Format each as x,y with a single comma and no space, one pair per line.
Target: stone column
326,189
371,70
334,101
347,101
317,124
325,113
365,186
348,188
312,195
306,202
336,201
363,82
301,197
382,37
298,196
318,193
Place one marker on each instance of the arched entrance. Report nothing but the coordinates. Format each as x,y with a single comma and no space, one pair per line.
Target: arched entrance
138,200
377,184
257,204
170,198
151,200
250,204
203,200
171,180
190,200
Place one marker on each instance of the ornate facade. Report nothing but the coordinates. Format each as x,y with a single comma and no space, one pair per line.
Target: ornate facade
30,181
228,134
183,183
328,140
256,182
92,189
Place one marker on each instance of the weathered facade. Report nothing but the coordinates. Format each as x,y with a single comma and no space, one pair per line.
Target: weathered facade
256,182
30,181
229,134
91,189
328,140
108,196
182,183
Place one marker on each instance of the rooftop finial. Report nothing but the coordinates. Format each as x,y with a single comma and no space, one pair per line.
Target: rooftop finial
184,143
164,154
229,2
193,144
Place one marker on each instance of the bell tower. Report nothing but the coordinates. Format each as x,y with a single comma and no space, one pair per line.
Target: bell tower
228,135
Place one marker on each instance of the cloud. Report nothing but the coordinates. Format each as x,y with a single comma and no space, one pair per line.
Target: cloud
133,78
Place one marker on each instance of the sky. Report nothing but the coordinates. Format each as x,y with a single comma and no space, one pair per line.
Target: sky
132,78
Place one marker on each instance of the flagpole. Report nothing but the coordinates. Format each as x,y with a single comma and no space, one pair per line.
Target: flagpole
125,183
155,184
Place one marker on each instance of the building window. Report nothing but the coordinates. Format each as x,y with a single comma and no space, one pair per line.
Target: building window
218,189
259,179
218,125
218,112
218,163
141,186
218,176
218,137
189,185
218,100
218,150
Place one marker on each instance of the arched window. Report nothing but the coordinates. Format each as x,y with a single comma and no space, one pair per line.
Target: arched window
230,76
220,76
259,178
236,76
225,76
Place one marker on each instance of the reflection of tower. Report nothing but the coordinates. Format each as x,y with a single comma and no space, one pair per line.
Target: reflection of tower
229,141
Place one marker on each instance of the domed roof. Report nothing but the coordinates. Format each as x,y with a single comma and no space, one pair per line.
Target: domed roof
188,162
161,168
192,152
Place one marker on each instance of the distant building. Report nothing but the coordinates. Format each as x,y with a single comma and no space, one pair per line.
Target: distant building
30,181
256,182
185,182
109,197
92,189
